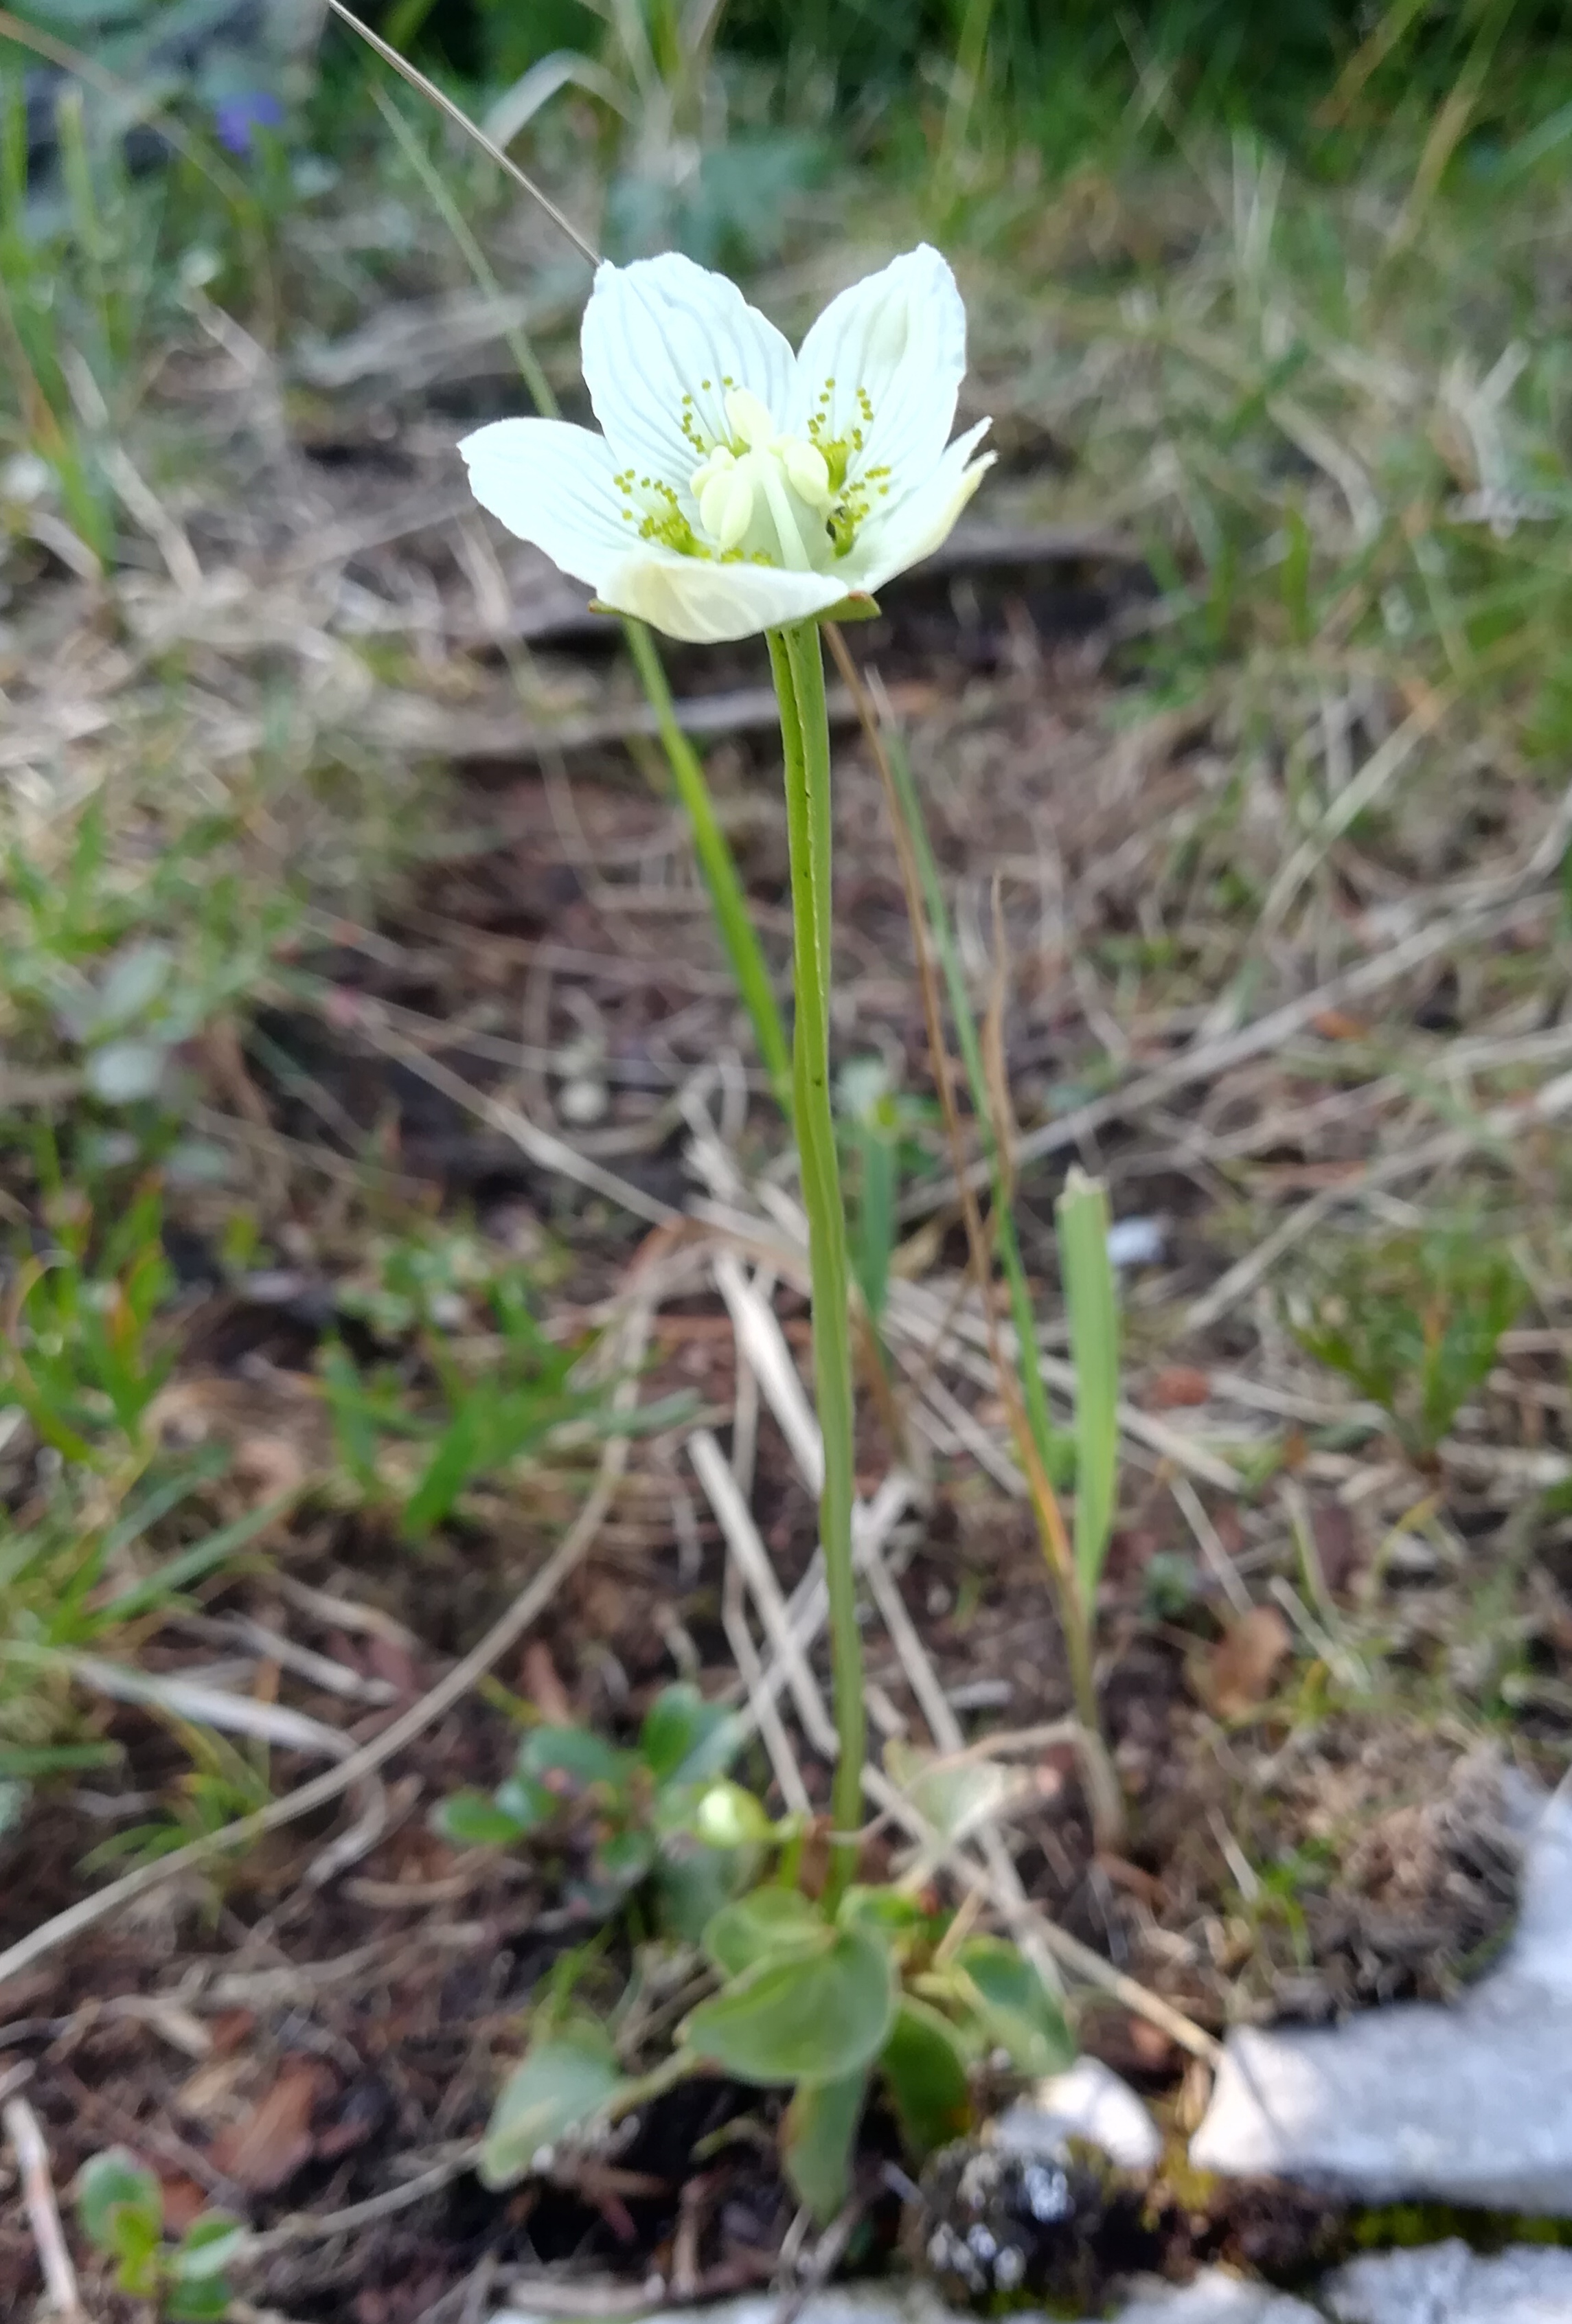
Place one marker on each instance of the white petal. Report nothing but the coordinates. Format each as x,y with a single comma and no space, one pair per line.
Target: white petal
900,336
913,527
552,484
663,329
705,603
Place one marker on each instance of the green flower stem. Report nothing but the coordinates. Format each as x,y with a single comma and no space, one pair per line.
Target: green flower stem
796,657
719,866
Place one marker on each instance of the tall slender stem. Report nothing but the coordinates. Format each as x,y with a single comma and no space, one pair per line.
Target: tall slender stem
795,655
719,866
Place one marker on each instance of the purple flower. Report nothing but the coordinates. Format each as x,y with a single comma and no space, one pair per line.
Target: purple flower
235,117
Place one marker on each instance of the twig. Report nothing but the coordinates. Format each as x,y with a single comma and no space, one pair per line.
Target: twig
308,2227
825,2258
524,1610
736,1521
430,90
27,2144
1498,1127
917,1310
543,1147
1207,1059
1210,1544
760,1701
761,1340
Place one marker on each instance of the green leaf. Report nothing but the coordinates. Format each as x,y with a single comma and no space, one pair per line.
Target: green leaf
812,2017
763,1925
624,1857
584,1759
207,2247
1092,1296
197,2300
470,1820
685,1739
882,1909
953,1799
115,2189
529,1803
1017,2011
561,2084
692,1883
925,2072
816,2142
192,1563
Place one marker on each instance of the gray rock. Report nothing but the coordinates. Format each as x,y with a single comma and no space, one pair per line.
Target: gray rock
1087,2101
1470,2104
1217,2297
1447,2283
1214,2298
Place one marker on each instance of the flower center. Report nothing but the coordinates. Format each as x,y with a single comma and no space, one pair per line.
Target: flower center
766,490
764,495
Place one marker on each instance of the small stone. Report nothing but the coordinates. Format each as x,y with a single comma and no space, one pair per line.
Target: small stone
1447,2284
1090,2102
1468,2104
1216,2297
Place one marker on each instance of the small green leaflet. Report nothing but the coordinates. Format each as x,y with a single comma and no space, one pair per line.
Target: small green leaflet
815,2017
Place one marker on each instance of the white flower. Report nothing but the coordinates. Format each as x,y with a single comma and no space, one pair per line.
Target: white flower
737,487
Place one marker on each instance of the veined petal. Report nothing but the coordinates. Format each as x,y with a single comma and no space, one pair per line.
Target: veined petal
663,329
705,603
913,527
550,483
898,337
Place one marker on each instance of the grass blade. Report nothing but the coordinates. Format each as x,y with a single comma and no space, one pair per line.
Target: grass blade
1092,1296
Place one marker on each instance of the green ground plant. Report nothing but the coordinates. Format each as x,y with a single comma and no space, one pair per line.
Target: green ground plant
1413,1322
416,1435
832,2003
120,2206
660,1818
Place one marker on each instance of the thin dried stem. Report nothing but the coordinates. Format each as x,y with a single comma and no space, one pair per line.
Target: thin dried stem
461,120
44,2217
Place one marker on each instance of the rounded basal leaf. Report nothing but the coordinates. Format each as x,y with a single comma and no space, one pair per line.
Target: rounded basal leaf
765,1925
196,2299
692,1883
1016,2010
573,1752
624,1857
563,2083
881,1909
469,1819
114,2190
527,1803
816,2142
812,2017
925,2072
685,1739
